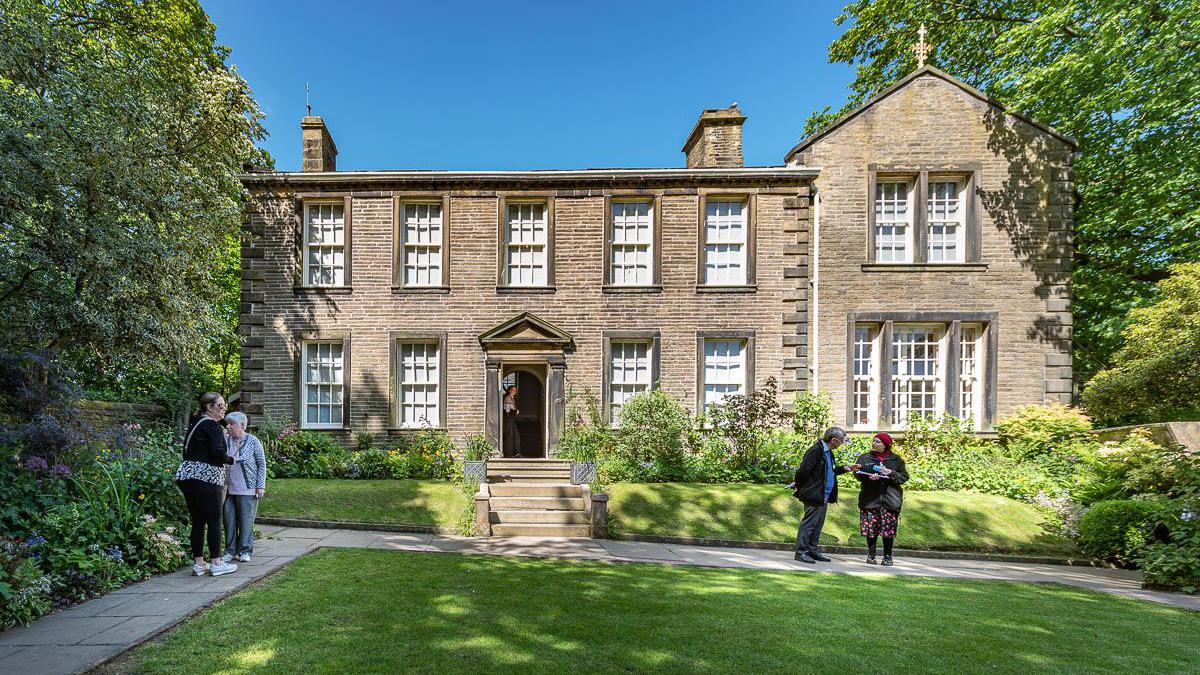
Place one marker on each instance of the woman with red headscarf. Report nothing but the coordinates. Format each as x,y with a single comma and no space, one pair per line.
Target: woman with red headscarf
880,497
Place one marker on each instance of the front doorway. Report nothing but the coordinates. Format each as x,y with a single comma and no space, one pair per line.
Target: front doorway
524,432
529,352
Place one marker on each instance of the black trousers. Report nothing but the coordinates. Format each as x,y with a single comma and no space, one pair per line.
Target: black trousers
204,509
808,535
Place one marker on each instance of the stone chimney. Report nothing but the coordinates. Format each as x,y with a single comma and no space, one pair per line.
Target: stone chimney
716,140
317,151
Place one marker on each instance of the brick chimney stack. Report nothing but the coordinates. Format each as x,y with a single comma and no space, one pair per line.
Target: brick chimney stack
716,140
317,151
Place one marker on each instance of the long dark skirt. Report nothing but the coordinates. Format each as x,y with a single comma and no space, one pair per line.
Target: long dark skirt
512,435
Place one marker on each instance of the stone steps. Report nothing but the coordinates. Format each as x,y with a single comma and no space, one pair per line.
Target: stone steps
514,489
540,530
519,517
536,504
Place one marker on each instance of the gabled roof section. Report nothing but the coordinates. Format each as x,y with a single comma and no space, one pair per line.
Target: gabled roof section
920,72
526,329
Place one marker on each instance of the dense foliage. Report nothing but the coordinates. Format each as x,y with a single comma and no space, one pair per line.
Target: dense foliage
293,453
122,131
1117,529
70,531
1152,379
1122,78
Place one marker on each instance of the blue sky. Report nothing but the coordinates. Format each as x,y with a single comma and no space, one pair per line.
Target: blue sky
531,85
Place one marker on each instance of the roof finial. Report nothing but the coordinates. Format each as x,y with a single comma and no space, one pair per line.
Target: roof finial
307,102
922,48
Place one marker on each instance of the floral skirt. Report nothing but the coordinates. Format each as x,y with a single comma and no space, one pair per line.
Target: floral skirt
877,522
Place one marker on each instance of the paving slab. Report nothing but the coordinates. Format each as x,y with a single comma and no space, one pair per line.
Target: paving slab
401,542
60,628
128,633
636,550
56,660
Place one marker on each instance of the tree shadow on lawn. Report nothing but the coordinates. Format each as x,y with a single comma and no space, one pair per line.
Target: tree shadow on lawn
355,611
943,521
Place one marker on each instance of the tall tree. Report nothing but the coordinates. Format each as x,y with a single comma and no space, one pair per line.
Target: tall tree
122,130
1121,77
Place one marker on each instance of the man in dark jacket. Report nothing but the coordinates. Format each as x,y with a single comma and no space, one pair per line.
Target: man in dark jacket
816,486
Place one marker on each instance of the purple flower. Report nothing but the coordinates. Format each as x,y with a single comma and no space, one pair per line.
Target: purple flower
36,464
60,471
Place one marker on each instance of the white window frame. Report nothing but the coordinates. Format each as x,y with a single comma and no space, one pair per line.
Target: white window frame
722,363
335,385
865,381
726,243
533,253
903,382
640,248
971,364
624,358
880,202
336,249
934,202
428,362
426,249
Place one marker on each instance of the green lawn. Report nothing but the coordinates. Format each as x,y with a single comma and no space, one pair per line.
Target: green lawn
357,611
930,520
408,502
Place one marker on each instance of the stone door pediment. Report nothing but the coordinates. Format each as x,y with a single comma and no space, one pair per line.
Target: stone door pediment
527,331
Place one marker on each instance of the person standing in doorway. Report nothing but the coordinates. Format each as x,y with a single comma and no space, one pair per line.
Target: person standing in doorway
816,486
512,436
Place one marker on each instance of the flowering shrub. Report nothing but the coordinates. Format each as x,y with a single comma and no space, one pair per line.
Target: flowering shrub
24,589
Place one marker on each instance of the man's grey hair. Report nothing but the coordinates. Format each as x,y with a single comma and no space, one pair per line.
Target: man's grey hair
830,433
238,417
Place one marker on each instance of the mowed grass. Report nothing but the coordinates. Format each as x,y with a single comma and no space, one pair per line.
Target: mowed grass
408,502
960,521
357,611
957,521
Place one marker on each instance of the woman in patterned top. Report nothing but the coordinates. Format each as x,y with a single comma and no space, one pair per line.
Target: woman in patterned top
201,478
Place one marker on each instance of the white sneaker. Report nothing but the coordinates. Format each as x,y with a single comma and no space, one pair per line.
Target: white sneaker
219,568
228,557
199,570
245,557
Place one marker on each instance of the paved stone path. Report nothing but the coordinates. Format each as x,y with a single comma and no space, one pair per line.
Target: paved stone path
82,636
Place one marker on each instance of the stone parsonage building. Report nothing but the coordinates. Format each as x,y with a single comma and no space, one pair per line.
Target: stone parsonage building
913,256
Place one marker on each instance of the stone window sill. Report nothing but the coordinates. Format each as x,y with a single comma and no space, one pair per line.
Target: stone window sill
402,431
421,290
524,290
322,290
924,267
656,288
750,288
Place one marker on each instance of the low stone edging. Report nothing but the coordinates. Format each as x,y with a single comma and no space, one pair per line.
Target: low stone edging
700,541
856,550
347,525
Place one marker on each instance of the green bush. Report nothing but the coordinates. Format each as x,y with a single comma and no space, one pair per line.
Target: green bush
585,436
1117,529
746,422
1039,430
978,468
305,454
1171,561
478,448
150,472
653,427
24,589
929,436
25,492
812,414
